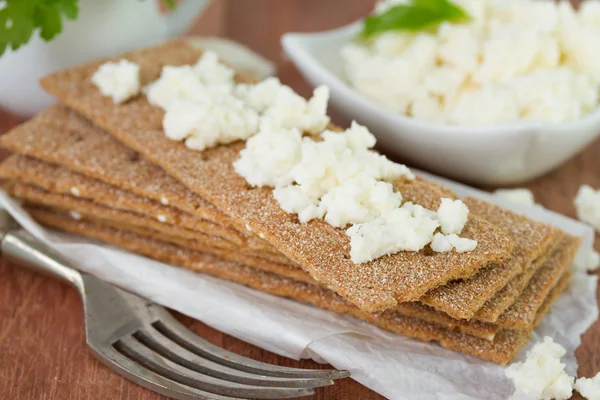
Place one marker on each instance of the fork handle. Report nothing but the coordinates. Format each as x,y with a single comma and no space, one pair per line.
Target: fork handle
21,247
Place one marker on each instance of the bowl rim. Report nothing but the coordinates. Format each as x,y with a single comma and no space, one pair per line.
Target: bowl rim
295,46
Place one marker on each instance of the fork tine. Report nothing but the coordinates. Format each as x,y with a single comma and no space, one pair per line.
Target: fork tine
133,371
131,347
171,350
174,330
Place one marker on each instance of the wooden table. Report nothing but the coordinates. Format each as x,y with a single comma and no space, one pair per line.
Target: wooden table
42,347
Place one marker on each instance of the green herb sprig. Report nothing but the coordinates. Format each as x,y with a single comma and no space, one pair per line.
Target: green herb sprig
19,19
418,15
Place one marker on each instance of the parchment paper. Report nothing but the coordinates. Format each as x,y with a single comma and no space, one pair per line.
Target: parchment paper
395,366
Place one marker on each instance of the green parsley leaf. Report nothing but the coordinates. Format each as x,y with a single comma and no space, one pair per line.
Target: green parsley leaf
48,19
16,24
416,16
170,3
20,18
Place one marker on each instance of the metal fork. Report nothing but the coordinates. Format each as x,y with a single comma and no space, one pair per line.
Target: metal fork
147,345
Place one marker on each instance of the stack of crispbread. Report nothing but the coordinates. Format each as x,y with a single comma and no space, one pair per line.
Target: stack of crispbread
107,171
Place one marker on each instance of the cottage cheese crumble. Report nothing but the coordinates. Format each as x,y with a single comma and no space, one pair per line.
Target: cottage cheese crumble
542,375
443,243
119,81
587,260
333,176
515,60
587,204
452,216
518,196
589,387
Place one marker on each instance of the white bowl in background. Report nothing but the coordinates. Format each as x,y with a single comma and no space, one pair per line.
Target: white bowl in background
494,155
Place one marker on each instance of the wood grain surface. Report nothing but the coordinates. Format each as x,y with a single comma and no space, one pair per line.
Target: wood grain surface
43,354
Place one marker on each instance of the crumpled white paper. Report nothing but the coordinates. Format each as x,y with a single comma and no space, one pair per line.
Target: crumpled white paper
392,365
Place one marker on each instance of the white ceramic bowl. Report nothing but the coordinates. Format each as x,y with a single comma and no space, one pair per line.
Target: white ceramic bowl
495,155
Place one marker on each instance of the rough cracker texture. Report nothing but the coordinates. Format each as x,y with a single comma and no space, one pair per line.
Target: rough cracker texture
129,221
521,315
53,177
46,216
40,196
497,305
458,299
531,239
317,247
501,350
91,212
554,295
475,328
61,180
94,213
426,313
373,286
78,145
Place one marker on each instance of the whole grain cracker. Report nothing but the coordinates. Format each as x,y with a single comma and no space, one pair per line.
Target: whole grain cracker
501,350
317,247
475,328
96,154
522,314
462,299
46,215
554,295
96,214
36,195
55,178
45,174
501,301
374,284
60,180
426,313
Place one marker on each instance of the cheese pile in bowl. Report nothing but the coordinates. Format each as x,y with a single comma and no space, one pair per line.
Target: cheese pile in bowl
511,60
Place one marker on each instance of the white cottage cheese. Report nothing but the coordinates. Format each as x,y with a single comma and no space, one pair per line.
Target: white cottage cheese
587,204
586,260
269,156
518,196
120,81
542,375
203,125
589,387
284,107
452,216
337,178
478,73
443,243
396,231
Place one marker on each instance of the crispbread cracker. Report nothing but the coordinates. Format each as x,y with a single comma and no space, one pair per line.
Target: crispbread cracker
554,295
482,330
532,240
237,256
521,315
60,180
36,195
375,285
501,350
54,177
130,221
475,328
494,307
426,313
